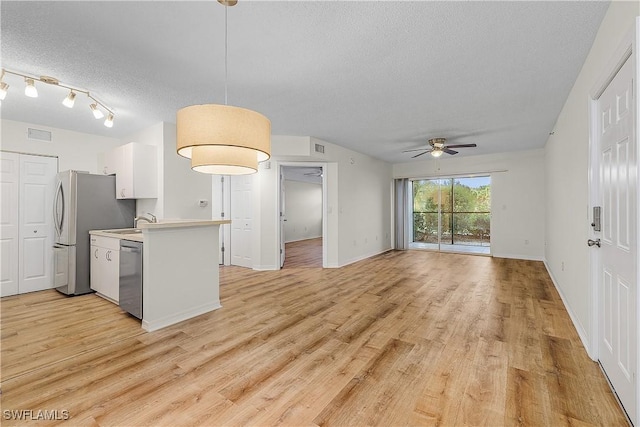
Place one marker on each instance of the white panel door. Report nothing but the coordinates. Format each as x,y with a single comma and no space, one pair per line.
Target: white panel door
241,220
619,256
37,180
9,245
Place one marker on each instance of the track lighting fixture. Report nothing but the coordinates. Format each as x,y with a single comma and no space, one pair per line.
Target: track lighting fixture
30,88
98,114
31,91
69,100
109,121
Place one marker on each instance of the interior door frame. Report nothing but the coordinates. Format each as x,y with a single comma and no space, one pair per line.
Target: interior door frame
626,51
324,166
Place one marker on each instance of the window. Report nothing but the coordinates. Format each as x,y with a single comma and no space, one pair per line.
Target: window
452,214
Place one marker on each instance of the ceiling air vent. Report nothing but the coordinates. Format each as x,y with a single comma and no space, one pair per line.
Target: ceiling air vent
319,148
39,135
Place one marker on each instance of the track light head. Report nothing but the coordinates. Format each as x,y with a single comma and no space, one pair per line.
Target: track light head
109,121
69,100
30,88
4,88
97,113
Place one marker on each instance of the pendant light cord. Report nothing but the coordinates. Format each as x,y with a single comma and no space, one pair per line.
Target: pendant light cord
226,59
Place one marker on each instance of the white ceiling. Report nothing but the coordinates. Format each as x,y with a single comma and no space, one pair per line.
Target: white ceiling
376,77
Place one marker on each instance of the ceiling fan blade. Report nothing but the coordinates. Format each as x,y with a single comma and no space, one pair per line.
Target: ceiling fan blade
417,155
461,145
417,149
446,150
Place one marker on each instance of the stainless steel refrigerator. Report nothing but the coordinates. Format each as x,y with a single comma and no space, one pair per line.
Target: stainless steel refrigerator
83,202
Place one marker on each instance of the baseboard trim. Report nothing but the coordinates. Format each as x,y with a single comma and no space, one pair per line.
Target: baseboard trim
354,260
154,325
582,333
266,267
516,256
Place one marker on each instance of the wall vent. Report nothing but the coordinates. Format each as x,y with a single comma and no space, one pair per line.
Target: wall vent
39,135
319,148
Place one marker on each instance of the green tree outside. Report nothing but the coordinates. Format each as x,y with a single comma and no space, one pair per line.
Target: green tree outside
465,210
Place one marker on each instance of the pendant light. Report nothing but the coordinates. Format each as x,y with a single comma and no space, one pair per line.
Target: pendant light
223,139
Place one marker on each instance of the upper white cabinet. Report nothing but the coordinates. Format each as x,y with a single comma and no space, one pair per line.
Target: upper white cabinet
135,166
111,161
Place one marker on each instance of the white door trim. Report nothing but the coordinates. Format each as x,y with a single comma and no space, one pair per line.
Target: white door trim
322,165
626,50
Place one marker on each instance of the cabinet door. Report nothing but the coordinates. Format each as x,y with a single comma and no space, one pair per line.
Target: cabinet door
145,171
136,177
124,177
96,269
112,160
111,274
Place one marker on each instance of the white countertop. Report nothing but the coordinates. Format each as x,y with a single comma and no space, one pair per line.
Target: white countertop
139,236
181,223
136,237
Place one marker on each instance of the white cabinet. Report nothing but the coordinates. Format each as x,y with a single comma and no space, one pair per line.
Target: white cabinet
105,267
111,161
135,166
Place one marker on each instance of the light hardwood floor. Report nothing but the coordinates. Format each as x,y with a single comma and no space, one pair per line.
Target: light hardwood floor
303,253
405,338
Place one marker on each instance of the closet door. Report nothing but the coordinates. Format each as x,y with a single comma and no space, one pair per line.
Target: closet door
9,245
26,223
37,181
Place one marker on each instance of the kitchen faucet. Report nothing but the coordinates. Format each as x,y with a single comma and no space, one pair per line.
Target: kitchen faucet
151,220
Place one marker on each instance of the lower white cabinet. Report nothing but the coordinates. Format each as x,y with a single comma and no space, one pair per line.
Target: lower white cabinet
105,267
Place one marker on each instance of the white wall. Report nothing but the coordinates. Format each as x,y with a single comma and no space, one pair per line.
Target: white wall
303,211
567,153
517,196
183,187
75,150
358,191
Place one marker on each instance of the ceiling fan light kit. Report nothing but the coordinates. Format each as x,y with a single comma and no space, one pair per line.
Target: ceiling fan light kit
223,139
31,91
438,146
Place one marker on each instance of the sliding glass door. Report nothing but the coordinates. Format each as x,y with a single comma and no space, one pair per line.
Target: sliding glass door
452,214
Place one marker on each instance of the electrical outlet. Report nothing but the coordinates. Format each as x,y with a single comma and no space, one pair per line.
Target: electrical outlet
526,241
562,265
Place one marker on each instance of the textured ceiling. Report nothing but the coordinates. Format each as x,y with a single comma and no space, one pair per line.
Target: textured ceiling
376,77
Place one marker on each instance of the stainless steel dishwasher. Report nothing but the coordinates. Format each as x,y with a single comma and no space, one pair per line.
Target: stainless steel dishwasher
131,277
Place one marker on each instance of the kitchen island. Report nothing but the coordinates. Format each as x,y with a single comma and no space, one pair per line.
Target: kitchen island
180,270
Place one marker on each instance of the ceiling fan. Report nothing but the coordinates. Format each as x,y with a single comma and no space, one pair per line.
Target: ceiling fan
314,172
438,146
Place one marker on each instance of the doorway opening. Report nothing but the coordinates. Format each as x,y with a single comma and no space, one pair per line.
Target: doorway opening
451,214
302,215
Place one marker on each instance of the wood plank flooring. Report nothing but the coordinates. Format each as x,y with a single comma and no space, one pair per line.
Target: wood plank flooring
303,253
404,338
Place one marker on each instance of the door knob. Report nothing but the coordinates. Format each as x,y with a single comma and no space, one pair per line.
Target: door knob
593,242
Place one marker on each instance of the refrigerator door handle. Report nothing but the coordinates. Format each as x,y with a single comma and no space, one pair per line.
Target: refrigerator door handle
58,220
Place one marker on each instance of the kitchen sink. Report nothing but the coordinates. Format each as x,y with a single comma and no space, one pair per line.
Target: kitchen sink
125,231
